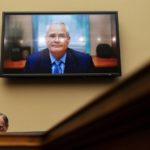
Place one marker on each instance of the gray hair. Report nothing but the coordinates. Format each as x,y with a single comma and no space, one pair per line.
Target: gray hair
58,23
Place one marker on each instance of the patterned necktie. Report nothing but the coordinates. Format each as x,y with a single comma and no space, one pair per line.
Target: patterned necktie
57,68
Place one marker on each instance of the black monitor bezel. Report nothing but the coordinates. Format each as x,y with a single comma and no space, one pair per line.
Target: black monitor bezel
111,74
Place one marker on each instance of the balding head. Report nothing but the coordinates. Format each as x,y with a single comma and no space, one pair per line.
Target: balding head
4,123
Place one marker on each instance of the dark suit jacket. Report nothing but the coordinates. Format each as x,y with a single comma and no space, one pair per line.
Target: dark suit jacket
76,62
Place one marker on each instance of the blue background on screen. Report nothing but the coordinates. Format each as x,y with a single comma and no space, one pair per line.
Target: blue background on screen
78,29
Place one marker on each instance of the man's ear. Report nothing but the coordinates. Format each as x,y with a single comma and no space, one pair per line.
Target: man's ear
69,38
46,39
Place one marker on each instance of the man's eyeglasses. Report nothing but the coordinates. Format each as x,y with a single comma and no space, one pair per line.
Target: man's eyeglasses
59,36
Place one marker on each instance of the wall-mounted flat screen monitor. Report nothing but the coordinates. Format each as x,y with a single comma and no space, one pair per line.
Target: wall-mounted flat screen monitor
60,44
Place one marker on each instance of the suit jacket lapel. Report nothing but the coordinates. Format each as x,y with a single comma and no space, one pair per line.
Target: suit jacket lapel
45,64
71,65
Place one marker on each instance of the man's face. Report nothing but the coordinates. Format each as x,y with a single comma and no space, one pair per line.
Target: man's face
57,40
3,128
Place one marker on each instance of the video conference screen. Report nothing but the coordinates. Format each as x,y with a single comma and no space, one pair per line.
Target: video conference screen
60,44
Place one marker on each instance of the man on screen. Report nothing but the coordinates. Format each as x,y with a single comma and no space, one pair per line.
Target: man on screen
58,58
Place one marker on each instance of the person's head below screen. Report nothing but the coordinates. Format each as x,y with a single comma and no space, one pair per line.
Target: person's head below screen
4,123
57,39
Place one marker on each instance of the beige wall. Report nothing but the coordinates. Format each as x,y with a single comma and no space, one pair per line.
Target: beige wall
35,104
